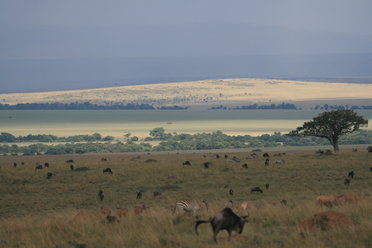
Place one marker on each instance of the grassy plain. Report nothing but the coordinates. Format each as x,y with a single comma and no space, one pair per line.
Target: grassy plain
38,212
139,122
210,92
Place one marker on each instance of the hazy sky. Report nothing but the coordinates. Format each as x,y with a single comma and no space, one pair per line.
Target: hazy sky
349,16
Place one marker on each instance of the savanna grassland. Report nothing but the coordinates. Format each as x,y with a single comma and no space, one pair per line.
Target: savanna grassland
38,212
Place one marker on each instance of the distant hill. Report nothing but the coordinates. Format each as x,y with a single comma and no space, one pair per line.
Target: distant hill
233,92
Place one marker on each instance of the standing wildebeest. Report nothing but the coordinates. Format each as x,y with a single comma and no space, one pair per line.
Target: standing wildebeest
226,156
72,167
70,161
266,155
139,195
206,165
101,195
39,167
256,189
267,161
107,170
15,165
217,156
351,174
231,191
347,181
224,220
156,193
245,166
49,175
46,165
267,186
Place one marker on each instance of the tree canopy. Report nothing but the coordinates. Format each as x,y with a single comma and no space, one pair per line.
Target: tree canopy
331,125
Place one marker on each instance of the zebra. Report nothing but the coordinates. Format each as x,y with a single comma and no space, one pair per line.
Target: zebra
190,206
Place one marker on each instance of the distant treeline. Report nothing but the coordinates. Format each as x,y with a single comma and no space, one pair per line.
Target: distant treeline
84,106
174,141
341,107
256,106
10,138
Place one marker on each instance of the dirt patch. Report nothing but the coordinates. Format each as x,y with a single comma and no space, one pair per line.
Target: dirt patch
326,220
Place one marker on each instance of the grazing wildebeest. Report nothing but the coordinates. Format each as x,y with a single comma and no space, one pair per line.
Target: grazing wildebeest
347,181
101,195
267,161
351,174
72,167
156,193
46,165
49,175
139,195
39,167
206,165
186,163
217,156
231,191
107,170
245,166
224,220
104,159
266,155
15,165
256,189
267,186
70,161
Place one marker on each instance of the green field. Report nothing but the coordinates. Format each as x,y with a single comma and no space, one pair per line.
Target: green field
140,122
36,212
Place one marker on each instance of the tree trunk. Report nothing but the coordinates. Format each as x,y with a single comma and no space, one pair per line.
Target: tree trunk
335,144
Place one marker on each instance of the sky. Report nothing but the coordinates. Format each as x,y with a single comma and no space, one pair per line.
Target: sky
155,29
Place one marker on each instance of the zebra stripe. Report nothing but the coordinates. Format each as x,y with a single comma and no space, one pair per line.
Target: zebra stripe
190,205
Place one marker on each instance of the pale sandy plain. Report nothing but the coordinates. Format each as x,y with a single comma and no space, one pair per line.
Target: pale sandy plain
215,91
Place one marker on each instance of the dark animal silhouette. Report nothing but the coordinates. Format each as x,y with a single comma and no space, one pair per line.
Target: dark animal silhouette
283,202
370,168
245,166
217,156
206,165
39,167
231,191
139,195
351,174
72,167
354,149
224,220
107,170
186,163
46,165
156,193
104,159
101,195
49,175
70,161
267,161
266,155
111,219
23,163
267,186
226,156
256,189
347,181
15,165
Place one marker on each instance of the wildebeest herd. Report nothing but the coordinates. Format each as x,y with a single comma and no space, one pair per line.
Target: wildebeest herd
226,219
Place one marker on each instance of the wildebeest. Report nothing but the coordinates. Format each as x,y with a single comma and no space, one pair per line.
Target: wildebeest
351,174
22,163
156,193
101,195
38,167
267,186
369,149
245,166
217,156
70,161
72,167
370,168
15,165
49,175
253,155
231,191
111,219
206,165
256,189
267,161
104,159
354,149
46,165
139,195
226,156
224,220
186,163
283,202
107,170
347,181
266,155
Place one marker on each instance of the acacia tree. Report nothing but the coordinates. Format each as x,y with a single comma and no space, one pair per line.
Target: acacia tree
331,125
